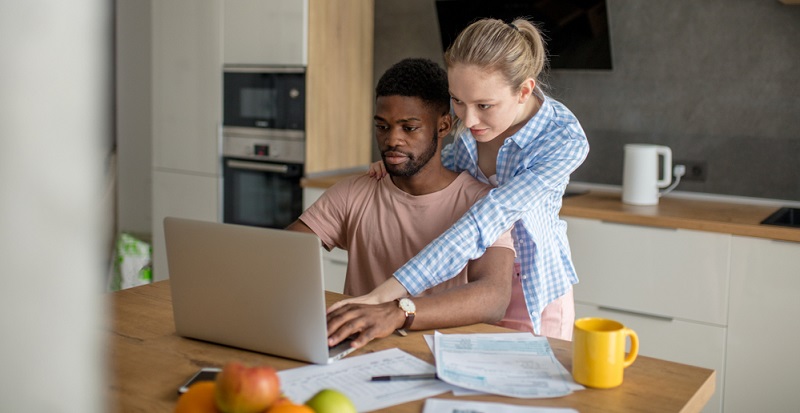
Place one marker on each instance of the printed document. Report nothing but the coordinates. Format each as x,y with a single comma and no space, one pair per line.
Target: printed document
352,376
509,364
460,406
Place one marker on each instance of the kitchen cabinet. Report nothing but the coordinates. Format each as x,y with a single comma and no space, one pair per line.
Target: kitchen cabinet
763,338
339,85
186,92
334,267
187,86
669,285
180,195
265,32
334,262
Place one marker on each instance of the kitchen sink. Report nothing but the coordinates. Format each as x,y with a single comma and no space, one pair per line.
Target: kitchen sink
784,217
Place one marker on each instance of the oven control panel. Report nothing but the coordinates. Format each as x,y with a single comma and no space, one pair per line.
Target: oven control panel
265,149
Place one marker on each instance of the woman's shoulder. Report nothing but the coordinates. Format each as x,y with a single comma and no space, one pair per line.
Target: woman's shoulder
559,112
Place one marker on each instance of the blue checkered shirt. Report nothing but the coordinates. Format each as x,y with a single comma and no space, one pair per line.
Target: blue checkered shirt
533,168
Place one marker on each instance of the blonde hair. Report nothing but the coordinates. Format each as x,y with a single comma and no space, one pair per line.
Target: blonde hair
515,50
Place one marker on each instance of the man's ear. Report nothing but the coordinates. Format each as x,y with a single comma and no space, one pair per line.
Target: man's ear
445,124
526,90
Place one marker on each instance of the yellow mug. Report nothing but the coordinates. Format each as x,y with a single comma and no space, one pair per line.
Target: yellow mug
598,352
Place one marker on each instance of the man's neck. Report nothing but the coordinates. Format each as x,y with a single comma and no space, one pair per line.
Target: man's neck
427,181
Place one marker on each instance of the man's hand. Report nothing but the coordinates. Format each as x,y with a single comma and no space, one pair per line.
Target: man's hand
365,321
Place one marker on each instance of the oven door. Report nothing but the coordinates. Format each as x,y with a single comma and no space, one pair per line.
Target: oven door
259,193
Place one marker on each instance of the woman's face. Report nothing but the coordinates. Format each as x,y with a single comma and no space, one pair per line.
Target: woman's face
484,102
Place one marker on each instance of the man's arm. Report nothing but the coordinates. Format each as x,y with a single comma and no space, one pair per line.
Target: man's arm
483,299
299,226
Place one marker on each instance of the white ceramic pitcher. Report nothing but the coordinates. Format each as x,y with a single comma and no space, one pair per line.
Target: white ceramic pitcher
640,183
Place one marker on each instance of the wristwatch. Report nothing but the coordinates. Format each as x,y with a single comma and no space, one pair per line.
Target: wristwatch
410,310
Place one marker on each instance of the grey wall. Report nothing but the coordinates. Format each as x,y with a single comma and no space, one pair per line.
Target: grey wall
716,80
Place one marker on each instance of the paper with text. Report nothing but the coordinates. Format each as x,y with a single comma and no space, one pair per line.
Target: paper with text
352,376
509,364
464,406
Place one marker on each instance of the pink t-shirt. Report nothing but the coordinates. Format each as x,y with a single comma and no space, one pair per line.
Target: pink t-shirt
382,227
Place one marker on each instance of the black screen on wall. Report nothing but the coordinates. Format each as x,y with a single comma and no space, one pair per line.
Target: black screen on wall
576,31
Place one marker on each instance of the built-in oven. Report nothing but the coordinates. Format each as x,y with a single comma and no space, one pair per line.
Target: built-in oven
263,145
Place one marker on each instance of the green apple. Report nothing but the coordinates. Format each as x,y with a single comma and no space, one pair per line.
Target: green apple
330,401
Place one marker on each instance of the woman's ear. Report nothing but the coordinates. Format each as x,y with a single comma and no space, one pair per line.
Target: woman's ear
526,90
445,124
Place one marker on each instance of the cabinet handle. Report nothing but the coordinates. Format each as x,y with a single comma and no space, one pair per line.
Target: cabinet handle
262,167
337,261
636,313
626,224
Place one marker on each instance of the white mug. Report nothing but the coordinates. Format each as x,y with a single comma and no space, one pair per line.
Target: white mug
640,181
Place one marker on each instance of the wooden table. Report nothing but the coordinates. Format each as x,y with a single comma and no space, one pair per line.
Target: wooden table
148,362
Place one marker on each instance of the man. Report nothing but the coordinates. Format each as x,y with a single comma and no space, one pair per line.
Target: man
384,223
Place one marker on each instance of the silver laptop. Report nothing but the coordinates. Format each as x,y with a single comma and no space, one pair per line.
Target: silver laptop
248,287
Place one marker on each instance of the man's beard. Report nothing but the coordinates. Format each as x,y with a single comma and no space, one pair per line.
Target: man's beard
415,163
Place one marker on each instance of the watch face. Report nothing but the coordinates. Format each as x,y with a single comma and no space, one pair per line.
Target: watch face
407,305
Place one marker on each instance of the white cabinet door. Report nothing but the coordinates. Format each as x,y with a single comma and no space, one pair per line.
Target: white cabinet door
674,273
180,195
266,32
311,195
674,340
334,267
187,85
763,336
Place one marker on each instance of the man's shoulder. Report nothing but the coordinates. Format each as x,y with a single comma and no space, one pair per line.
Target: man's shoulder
353,182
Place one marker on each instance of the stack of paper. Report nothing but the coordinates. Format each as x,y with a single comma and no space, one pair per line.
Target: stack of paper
509,364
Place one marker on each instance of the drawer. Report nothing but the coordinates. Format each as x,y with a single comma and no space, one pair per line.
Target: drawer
674,273
674,340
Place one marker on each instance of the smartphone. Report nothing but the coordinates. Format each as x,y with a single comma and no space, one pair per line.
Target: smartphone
204,374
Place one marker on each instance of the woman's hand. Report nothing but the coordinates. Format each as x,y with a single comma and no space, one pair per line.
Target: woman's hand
377,170
390,290
364,299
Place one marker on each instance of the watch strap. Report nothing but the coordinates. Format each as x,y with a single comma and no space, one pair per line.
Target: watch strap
409,320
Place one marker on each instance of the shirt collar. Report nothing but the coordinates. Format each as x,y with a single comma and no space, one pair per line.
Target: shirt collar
536,125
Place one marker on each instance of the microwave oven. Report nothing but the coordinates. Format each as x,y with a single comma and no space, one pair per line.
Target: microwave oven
264,97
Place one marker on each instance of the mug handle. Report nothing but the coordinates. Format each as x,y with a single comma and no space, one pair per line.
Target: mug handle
634,348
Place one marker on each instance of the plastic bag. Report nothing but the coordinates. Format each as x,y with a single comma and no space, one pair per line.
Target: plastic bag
132,263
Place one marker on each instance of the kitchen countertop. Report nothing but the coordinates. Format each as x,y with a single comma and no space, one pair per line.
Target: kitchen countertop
672,212
727,217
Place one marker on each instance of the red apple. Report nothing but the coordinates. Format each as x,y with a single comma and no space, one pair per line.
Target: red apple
243,389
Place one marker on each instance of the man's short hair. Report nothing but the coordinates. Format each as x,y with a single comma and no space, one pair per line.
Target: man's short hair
417,77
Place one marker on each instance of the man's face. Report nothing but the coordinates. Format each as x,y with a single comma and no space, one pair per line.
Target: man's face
407,133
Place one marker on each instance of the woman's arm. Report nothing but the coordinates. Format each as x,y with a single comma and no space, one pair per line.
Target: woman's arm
469,237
